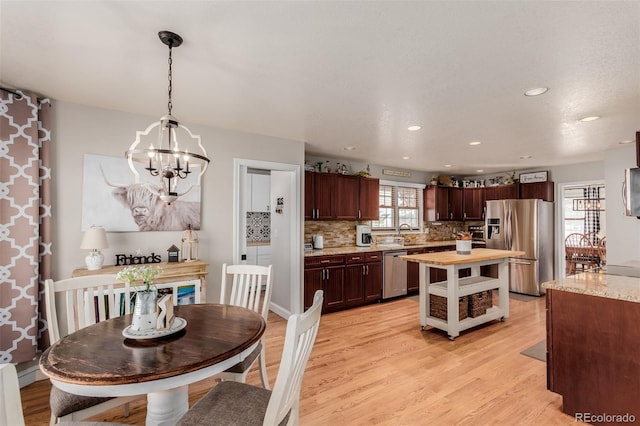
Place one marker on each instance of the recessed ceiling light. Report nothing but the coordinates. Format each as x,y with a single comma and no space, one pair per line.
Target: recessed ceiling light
406,157
475,143
349,148
536,91
414,128
447,165
525,157
479,171
625,142
591,118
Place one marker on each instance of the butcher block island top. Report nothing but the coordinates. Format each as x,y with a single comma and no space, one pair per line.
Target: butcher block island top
445,258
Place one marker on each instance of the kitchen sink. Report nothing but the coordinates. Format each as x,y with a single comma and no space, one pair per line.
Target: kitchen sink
390,245
391,242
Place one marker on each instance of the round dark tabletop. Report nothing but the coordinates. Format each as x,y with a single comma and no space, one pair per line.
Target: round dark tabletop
101,355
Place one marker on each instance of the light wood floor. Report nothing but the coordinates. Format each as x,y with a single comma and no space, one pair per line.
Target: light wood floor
374,366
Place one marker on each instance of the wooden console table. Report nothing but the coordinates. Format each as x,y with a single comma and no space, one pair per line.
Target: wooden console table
172,273
456,287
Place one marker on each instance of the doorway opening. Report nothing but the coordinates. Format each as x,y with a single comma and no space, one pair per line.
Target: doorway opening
270,218
582,211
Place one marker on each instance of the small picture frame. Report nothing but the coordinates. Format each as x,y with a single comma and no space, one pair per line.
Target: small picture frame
534,177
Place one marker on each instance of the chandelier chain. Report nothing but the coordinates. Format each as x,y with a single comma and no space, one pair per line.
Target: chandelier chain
169,104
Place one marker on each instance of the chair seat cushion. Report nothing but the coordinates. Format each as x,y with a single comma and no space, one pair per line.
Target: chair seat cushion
244,365
230,404
63,403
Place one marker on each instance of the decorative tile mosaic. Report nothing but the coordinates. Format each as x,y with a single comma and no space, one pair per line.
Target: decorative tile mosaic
258,226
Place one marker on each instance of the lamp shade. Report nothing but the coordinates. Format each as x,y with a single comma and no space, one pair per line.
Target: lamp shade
95,238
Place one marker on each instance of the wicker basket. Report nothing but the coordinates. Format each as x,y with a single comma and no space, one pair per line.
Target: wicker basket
438,307
479,303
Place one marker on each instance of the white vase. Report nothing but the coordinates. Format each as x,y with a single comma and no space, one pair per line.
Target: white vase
145,312
463,246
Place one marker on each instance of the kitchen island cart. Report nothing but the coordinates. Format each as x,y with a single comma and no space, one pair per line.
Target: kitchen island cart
455,287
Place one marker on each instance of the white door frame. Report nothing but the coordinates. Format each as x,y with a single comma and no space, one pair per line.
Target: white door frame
295,272
560,261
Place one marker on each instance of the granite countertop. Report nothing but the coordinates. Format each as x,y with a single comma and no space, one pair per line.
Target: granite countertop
599,284
356,249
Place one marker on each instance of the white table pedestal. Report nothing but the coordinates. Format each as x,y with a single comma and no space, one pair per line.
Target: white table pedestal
164,408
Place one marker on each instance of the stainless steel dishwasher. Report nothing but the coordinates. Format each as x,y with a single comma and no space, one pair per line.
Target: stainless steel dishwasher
395,274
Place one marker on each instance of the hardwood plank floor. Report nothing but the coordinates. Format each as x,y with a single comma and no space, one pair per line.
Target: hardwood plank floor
374,366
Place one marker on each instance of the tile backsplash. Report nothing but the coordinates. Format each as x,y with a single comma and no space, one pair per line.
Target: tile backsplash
258,226
343,233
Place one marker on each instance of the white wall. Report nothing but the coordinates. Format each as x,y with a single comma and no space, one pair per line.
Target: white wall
623,232
79,129
282,243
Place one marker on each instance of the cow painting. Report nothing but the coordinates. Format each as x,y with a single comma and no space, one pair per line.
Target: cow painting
152,214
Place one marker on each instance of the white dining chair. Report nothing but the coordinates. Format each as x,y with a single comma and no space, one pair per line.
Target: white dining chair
11,413
79,299
10,405
234,403
249,286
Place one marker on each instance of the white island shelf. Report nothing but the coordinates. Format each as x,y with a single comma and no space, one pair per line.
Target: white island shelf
456,287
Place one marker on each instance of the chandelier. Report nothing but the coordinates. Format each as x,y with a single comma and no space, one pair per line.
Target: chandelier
591,200
168,160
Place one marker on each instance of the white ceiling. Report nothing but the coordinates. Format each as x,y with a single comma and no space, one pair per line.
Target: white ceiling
336,74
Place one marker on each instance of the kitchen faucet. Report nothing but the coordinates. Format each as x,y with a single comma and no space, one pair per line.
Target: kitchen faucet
405,226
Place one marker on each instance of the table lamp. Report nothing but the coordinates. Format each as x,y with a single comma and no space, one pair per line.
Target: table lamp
94,239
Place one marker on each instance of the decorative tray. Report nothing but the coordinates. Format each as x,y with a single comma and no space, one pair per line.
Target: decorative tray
178,324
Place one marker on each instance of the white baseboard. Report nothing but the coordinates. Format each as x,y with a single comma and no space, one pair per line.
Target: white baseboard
279,310
29,372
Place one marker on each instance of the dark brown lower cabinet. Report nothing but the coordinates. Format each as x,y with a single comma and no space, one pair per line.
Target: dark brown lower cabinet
363,278
413,272
347,280
313,281
354,287
325,273
329,279
373,281
592,356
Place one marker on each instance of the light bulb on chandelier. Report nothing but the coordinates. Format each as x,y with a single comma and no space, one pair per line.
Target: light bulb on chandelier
164,161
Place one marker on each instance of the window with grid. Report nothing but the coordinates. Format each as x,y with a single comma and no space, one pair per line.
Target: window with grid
400,204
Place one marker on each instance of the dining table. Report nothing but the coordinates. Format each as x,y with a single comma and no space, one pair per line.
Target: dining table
99,361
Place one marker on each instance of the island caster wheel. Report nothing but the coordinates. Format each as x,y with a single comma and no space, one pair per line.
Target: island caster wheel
502,319
452,338
423,328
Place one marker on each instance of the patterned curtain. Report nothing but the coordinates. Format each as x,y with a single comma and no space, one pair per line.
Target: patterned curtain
592,213
25,224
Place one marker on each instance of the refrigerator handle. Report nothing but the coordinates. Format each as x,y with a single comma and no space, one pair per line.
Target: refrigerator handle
624,197
508,230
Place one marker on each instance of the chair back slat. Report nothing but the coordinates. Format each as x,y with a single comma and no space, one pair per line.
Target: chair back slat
300,337
246,290
86,300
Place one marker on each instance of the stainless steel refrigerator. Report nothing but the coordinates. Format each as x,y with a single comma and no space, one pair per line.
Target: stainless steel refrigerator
523,225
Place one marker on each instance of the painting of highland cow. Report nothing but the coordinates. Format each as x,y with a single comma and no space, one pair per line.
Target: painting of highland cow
112,199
